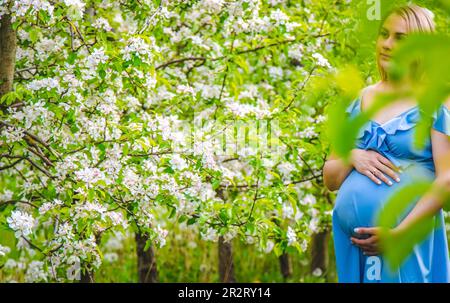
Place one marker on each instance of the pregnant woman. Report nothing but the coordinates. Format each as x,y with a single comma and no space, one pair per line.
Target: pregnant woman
383,161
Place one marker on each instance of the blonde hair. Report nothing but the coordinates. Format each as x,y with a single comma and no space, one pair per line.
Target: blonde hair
418,19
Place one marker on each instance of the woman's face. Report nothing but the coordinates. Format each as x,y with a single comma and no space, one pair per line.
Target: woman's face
394,29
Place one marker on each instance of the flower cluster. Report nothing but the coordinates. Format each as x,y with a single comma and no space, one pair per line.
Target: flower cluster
21,222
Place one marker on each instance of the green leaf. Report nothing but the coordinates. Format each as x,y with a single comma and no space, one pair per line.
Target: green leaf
278,249
349,80
191,221
182,218
72,57
173,212
34,34
242,63
136,61
397,248
223,215
399,203
215,183
102,73
148,244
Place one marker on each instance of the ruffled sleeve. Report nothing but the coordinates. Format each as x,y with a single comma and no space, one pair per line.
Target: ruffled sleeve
353,109
442,120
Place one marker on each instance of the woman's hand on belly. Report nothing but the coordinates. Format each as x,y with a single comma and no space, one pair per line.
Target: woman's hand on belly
373,165
428,205
370,245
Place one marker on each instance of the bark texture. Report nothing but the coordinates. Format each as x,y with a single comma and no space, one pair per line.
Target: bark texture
147,270
7,54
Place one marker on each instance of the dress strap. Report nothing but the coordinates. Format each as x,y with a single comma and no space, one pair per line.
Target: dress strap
354,108
442,120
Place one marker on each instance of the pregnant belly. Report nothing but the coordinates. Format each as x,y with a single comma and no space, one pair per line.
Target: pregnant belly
360,199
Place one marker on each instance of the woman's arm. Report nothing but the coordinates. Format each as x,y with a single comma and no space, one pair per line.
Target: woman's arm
427,206
366,162
335,171
433,201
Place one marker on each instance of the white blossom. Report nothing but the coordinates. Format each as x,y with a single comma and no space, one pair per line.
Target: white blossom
317,272
45,83
45,208
309,200
161,235
102,24
6,195
76,4
304,245
212,6
296,53
95,58
90,175
279,17
22,7
308,133
10,264
321,60
136,46
45,46
12,134
111,257
269,246
230,235
115,242
4,250
276,72
242,109
35,272
314,224
210,235
21,222
178,163
291,236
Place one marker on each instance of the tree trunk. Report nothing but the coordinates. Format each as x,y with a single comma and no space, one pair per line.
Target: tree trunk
7,54
87,277
147,270
319,252
226,264
285,266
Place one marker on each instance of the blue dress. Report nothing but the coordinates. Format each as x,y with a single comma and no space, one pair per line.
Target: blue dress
359,200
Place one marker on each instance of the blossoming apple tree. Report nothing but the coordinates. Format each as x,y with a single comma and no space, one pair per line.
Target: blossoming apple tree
125,115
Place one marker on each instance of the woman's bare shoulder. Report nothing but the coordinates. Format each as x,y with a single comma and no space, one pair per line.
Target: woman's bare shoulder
368,93
447,103
371,89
